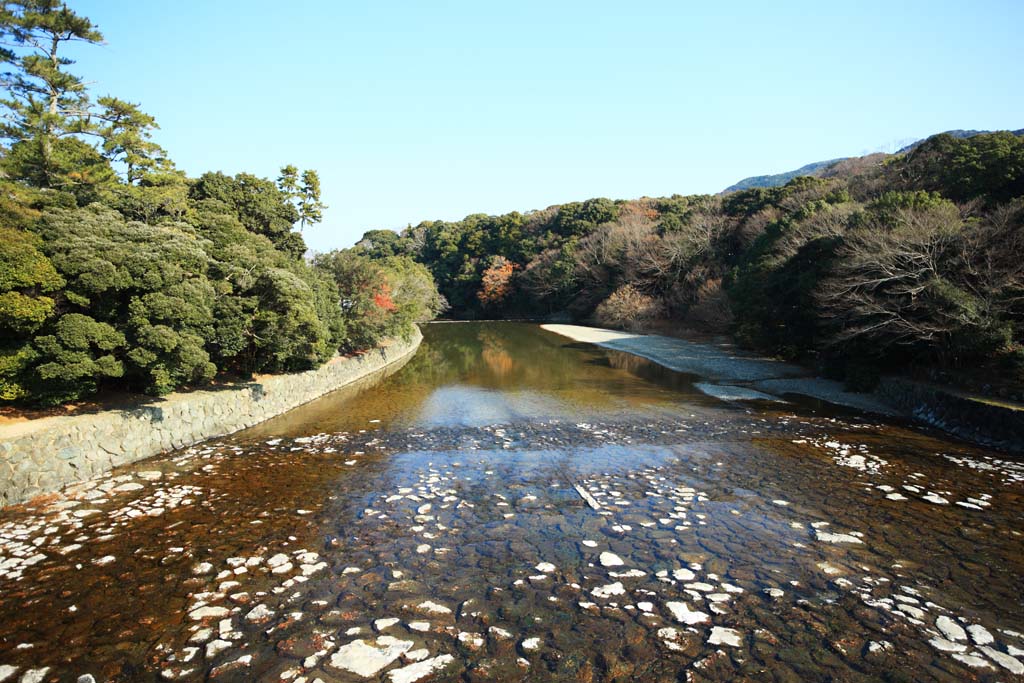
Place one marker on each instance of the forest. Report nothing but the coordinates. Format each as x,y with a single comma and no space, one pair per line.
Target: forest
913,260
117,270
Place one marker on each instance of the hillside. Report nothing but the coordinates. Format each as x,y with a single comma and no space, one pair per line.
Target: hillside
889,261
821,169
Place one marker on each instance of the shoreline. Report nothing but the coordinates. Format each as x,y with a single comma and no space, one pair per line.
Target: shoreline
43,455
727,373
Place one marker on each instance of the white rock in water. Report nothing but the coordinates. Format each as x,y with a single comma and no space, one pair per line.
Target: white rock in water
608,559
6,671
1004,660
609,590
421,626
972,661
836,538
683,574
950,628
433,607
34,675
724,636
947,645
383,624
590,544
367,660
202,568
420,670
259,614
682,613
935,498
277,560
980,635
207,612
530,644
215,647
545,567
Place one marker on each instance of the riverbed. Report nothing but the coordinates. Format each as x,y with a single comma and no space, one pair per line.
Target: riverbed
514,506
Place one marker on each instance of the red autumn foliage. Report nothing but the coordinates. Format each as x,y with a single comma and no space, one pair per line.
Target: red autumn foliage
497,281
383,300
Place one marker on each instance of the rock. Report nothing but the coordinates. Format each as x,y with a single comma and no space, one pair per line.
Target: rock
420,670
1004,660
836,538
980,635
384,624
724,636
431,607
259,614
609,590
530,644
608,559
950,629
545,567
365,659
277,560
208,612
34,675
6,671
682,613
84,678
215,647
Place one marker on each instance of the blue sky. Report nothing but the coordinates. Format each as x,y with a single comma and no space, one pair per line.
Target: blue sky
434,110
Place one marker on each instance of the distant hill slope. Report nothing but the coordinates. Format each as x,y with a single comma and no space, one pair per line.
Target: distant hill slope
779,179
821,168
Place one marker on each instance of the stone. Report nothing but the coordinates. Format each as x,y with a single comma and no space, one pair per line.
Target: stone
950,629
365,659
420,670
608,559
608,591
721,635
1011,664
681,612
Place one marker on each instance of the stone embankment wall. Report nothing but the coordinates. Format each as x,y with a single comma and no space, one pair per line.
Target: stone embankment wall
979,421
41,456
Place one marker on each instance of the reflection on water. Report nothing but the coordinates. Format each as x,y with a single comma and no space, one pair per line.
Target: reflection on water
510,507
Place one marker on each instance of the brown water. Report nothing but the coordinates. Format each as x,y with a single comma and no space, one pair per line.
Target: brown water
510,506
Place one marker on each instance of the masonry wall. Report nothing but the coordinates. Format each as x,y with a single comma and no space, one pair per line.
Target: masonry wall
41,456
988,424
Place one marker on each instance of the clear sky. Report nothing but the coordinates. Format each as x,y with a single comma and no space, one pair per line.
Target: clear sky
414,110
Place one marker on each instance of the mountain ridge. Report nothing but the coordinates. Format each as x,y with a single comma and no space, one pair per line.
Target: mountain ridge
820,168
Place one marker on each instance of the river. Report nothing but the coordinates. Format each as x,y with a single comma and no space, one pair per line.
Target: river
513,506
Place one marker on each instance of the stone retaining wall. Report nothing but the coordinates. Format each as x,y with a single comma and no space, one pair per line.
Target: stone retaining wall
40,456
981,422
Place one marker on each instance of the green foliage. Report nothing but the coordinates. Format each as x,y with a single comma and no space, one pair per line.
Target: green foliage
579,218
259,204
74,358
151,279
988,166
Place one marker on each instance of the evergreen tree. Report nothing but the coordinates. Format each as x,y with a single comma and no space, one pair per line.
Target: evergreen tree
45,104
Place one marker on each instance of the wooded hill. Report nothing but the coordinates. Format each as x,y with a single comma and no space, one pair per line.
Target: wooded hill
908,258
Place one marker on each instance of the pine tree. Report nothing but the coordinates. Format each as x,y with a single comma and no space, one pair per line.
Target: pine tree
45,104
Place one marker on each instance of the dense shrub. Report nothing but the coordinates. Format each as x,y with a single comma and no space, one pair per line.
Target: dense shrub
627,308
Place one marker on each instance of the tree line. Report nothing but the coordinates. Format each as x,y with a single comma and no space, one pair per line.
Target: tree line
119,270
902,259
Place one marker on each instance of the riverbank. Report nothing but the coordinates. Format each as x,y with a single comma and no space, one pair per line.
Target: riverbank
733,374
737,375
41,456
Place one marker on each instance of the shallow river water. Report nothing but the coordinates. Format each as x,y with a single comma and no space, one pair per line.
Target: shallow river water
511,506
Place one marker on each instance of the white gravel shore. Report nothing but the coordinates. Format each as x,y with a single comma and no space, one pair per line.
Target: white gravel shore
727,365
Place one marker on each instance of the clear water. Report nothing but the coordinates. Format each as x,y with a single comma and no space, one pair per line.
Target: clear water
529,509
